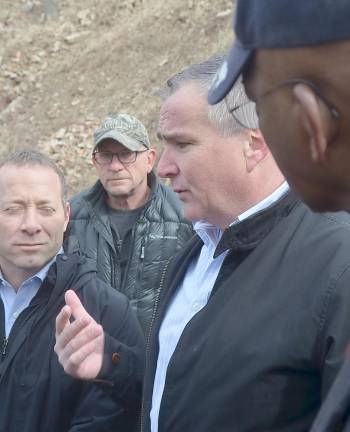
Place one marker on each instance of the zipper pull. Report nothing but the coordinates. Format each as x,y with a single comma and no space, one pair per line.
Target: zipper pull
3,346
142,252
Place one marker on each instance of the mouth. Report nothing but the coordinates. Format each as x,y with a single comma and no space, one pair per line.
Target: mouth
181,193
116,180
29,246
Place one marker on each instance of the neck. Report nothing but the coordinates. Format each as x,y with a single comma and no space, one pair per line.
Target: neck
128,202
16,278
256,200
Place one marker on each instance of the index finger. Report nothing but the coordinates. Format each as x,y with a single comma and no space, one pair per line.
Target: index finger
77,309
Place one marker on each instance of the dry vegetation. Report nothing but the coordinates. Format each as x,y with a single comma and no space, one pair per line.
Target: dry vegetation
58,79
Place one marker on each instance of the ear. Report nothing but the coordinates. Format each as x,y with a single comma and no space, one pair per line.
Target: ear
151,158
66,215
93,160
254,149
316,120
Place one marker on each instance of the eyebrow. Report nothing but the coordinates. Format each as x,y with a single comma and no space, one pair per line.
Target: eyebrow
20,201
176,137
45,202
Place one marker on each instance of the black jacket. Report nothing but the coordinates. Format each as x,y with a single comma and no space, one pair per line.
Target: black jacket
35,393
263,352
160,232
334,414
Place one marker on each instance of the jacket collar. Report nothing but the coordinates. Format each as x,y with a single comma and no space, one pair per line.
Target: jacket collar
248,233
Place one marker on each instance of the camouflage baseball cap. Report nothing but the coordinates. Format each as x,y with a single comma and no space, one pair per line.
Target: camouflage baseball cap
125,129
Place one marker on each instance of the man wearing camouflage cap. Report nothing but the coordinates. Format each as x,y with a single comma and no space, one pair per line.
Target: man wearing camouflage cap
129,222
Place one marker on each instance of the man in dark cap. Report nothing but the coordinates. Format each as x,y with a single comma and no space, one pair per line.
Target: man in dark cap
295,56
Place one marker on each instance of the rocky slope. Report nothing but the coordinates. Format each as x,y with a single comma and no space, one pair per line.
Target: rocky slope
59,78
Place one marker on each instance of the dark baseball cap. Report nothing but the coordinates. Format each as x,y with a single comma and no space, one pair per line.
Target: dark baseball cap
264,24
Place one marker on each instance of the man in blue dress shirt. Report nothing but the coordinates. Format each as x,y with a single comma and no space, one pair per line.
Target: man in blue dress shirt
35,273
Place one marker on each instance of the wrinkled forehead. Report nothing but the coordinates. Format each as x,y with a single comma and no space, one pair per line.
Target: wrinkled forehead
184,107
29,180
110,145
167,117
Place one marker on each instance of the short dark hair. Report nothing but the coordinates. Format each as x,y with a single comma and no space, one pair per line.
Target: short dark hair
202,75
33,158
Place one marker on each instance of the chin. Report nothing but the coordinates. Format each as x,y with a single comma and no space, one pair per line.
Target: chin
32,265
322,196
190,214
327,204
194,214
120,192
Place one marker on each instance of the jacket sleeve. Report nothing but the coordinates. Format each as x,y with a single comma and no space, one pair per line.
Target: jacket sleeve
123,366
334,337
334,334
335,409
99,412
113,400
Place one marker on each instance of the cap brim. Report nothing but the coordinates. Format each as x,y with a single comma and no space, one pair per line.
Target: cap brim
125,140
229,72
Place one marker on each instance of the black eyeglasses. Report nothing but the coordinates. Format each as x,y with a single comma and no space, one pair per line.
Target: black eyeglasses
246,116
125,157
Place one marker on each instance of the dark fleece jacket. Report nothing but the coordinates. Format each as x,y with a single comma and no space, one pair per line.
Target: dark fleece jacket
35,393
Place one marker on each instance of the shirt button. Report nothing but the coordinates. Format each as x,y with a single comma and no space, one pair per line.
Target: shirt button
15,315
116,357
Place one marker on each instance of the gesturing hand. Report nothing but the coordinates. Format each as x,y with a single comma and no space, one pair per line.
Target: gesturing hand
80,343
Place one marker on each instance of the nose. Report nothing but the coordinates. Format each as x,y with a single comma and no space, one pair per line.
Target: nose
167,167
30,223
115,164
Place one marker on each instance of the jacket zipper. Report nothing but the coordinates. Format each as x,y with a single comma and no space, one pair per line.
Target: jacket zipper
115,275
123,278
148,341
17,326
4,346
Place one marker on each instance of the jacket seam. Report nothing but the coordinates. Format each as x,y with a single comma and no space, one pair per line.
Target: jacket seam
324,315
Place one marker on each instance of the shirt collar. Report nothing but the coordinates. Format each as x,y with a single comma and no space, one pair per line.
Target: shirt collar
266,202
247,234
211,234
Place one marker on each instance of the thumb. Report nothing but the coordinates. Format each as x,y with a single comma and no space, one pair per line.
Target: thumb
77,309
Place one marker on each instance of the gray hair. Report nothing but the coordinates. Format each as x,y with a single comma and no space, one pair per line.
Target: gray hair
34,158
202,74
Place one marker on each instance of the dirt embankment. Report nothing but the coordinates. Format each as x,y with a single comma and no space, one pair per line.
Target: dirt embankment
58,79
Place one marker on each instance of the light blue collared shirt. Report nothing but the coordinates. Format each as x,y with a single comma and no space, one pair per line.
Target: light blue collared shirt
193,294
16,301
